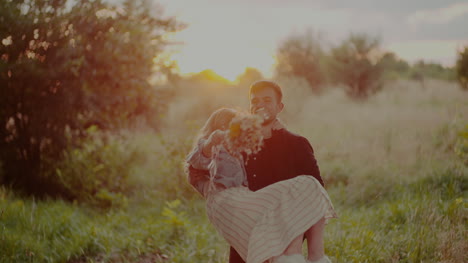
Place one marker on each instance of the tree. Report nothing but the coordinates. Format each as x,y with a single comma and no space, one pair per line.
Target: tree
63,69
249,76
355,64
393,66
422,69
302,56
462,68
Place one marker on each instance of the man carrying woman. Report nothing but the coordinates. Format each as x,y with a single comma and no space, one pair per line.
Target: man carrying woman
285,201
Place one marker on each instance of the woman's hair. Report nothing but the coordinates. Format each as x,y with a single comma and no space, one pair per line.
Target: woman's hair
219,118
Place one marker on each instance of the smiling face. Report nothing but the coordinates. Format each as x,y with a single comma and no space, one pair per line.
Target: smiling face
265,102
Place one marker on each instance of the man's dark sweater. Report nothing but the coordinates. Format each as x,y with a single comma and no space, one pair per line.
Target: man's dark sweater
284,155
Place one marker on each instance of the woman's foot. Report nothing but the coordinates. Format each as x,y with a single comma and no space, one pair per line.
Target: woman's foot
324,259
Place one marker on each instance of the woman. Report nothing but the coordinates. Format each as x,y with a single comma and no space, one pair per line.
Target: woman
266,225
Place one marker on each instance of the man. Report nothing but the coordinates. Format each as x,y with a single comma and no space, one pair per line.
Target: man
284,155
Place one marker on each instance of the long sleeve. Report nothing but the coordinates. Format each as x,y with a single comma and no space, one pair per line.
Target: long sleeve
198,174
197,159
305,159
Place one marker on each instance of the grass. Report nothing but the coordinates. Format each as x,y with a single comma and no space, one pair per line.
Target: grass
55,231
419,221
389,164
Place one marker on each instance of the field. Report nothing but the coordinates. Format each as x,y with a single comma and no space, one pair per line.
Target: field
395,167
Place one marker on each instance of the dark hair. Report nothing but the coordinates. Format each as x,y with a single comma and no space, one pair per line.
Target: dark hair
265,84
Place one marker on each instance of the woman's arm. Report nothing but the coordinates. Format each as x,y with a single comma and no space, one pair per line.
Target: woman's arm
215,138
199,159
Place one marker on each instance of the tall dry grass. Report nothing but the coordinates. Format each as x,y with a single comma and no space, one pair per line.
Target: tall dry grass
405,126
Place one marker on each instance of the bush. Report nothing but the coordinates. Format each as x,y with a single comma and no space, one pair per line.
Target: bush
462,68
172,177
97,171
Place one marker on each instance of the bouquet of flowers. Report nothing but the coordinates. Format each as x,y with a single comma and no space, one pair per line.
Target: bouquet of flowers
244,135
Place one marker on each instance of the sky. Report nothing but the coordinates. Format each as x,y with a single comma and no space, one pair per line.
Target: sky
229,35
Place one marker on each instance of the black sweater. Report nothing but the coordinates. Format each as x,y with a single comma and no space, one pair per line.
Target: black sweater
284,155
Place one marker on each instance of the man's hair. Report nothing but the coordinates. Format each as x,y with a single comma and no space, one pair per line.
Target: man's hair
264,84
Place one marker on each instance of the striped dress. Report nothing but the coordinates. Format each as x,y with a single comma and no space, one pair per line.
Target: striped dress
260,225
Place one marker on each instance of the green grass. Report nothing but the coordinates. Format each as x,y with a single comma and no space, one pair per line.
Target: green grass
55,231
392,166
421,220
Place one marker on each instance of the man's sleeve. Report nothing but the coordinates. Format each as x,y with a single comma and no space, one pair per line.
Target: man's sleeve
234,257
305,160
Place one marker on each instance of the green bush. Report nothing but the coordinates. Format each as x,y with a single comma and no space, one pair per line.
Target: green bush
462,68
172,177
97,171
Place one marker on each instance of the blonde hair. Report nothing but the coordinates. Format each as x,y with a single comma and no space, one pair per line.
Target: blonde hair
219,118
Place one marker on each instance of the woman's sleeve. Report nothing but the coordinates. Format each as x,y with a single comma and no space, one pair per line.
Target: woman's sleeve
197,164
197,159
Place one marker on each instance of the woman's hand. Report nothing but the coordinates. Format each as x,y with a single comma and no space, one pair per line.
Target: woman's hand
215,138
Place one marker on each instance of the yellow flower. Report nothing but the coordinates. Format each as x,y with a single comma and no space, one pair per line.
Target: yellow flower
234,130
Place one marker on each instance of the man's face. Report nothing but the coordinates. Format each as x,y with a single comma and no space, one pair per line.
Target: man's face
264,102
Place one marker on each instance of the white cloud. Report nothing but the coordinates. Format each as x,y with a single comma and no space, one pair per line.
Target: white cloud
437,16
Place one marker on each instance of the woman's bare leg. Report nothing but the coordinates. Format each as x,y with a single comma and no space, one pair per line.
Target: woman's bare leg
295,247
314,236
293,253
315,247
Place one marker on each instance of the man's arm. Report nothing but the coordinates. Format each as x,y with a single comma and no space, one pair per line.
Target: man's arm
305,160
234,257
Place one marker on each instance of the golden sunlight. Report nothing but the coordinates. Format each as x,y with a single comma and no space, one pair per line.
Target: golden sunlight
201,55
